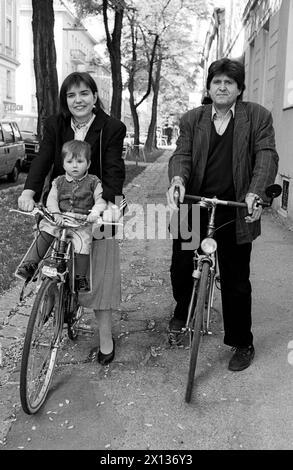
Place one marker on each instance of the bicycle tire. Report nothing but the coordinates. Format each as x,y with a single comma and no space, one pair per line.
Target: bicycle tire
198,320
44,332
191,310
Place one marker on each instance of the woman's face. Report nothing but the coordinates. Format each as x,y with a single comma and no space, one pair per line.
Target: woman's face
80,101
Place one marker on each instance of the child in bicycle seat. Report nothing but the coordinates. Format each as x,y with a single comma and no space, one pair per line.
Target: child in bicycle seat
78,194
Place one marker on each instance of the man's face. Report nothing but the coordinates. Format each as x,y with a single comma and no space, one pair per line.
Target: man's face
223,91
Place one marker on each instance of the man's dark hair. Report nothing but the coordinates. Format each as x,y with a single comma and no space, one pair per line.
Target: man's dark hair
76,148
76,78
232,68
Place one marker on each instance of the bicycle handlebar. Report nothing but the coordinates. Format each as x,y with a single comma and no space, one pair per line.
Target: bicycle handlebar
216,201
222,202
70,221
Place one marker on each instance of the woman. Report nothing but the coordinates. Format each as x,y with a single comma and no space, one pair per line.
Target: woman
81,117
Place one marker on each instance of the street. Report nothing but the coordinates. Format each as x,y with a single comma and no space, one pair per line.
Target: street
4,184
138,401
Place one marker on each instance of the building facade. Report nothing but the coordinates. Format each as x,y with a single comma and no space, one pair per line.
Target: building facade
262,37
8,55
74,49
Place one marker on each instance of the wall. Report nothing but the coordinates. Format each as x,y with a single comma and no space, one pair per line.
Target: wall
260,62
67,39
283,103
267,30
8,56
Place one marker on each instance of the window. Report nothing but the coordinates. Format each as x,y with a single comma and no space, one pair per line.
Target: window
1,135
8,32
288,95
9,6
34,104
17,135
285,195
8,84
7,132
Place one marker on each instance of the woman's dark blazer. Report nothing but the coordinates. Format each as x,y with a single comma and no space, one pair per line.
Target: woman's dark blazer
57,131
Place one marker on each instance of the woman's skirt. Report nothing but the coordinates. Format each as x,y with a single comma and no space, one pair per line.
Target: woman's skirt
105,293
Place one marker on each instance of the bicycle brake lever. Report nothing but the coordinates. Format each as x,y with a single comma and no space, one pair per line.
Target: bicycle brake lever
33,212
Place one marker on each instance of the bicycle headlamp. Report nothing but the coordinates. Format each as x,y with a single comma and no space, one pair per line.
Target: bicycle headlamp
208,246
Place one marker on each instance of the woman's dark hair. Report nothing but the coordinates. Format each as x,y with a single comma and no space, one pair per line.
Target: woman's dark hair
76,78
232,68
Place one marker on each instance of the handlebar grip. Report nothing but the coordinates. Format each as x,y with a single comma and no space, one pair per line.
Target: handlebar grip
193,198
236,204
264,204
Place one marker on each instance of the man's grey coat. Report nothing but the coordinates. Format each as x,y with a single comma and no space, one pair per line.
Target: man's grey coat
255,160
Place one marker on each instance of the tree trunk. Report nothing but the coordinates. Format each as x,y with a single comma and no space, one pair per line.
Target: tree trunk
135,118
151,142
44,60
114,49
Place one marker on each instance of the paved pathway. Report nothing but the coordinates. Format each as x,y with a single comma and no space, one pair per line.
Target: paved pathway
138,401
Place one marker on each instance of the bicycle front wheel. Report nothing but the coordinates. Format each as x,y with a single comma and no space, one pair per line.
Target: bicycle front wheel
41,345
197,327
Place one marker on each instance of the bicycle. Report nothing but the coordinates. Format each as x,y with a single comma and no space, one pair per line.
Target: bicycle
205,276
55,304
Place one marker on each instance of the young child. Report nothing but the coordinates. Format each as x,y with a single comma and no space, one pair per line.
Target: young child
78,194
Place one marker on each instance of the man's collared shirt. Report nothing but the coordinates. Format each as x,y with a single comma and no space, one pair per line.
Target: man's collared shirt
221,123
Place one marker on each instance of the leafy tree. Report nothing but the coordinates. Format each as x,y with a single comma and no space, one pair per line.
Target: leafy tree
172,20
44,59
139,65
112,11
151,141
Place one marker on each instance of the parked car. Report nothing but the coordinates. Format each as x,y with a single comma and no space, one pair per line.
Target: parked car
28,127
12,151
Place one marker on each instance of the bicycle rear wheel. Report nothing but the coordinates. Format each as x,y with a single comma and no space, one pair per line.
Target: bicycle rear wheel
197,327
41,345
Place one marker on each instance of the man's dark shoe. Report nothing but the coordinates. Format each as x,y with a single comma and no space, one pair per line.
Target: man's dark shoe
176,325
175,336
241,358
27,270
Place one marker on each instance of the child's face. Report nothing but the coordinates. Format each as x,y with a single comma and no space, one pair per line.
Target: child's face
75,167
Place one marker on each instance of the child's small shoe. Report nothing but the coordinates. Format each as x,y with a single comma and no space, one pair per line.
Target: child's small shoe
27,270
81,284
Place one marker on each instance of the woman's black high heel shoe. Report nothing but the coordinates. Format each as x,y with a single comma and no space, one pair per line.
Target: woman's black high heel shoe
105,359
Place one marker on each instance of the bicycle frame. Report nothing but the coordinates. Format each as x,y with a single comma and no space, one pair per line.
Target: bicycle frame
59,257
55,304
198,260
204,274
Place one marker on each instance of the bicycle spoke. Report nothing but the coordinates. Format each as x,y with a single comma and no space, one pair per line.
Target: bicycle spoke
41,346
197,328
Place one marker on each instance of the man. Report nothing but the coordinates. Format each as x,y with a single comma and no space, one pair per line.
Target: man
225,149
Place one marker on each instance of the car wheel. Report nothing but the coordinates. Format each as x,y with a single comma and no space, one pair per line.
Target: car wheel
13,176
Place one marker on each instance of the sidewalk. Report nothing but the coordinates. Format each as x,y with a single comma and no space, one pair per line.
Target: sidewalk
138,401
